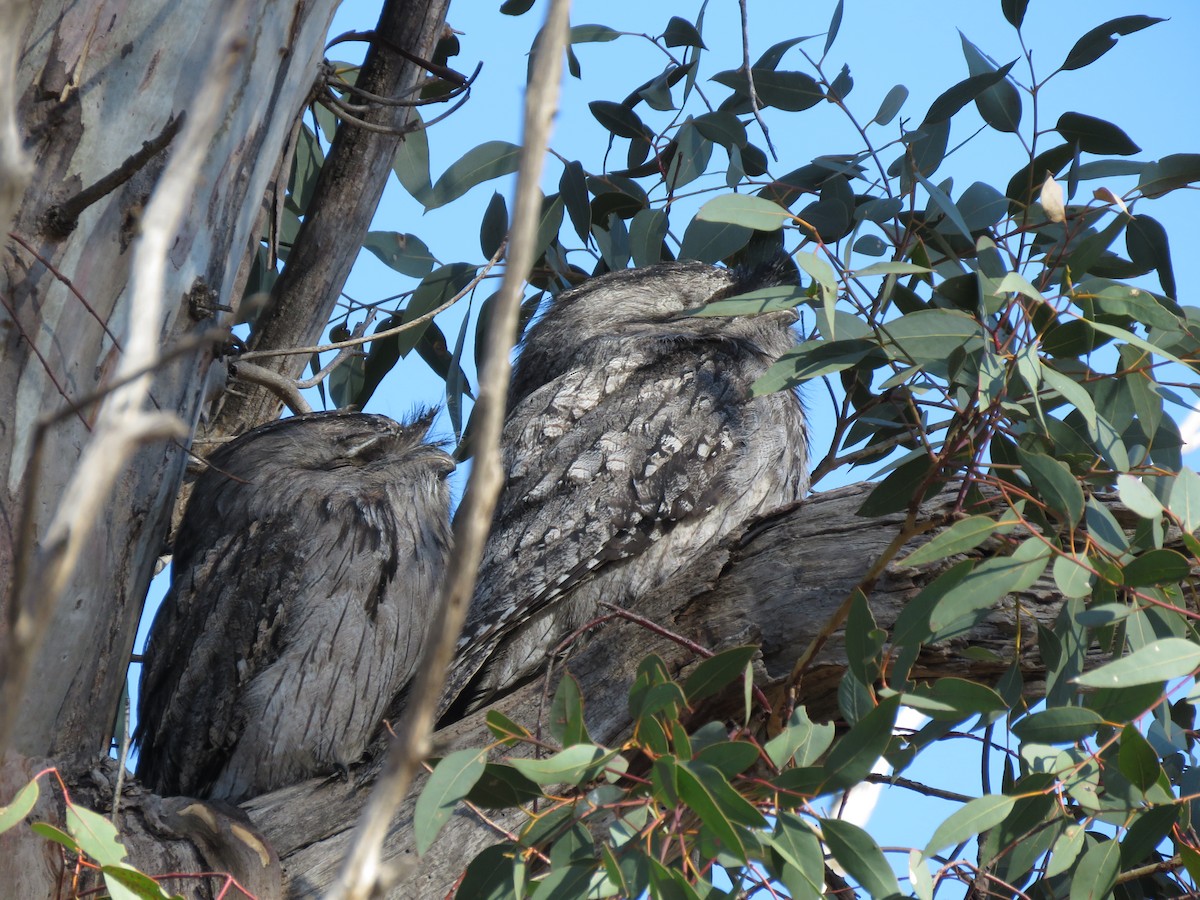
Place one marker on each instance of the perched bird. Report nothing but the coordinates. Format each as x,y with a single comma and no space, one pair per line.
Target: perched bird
305,580
631,446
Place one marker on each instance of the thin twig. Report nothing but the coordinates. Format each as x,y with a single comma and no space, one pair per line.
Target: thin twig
362,870
443,72
399,329
12,314
69,285
755,104
281,386
698,649
122,759
344,354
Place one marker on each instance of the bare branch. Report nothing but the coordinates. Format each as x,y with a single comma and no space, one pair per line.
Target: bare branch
62,217
359,339
283,388
344,354
362,870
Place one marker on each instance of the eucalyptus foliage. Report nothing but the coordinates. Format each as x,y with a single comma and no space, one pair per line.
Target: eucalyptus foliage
1020,336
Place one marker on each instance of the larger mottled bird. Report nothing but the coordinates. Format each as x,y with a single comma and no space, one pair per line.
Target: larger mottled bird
632,444
305,580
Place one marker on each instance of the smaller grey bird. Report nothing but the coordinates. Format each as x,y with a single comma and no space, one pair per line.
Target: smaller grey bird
305,581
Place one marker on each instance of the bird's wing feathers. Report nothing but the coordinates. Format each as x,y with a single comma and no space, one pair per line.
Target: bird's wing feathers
602,461
220,622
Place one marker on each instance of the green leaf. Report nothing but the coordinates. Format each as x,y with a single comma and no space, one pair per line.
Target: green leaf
306,167
852,757
593,34
958,538
493,228
956,97
569,766
1095,135
1137,760
1159,660
1184,502
943,202
1169,173
999,104
1071,575
955,699
96,835
891,105
682,33
406,253
975,816
452,779
800,742
857,853
716,672
1155,567
566,713
50,833
1096,872
19,808
1148,247
988,582
411,164
647,229
489,876
835,24
788,91
504,728
732,804
1066,849
730,758
502,787
618,119
752,303
811,359
1137,497
712,241
131,883
891,268
795,842
929,335
572,187
491,159
696,794
1059,725
1100,40
1055,483
1014,11
722,127
744,209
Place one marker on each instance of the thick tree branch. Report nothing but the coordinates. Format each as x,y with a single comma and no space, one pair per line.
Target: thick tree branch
777,587
344,200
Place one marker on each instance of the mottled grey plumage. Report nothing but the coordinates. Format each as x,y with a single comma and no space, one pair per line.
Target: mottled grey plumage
305,580
631,445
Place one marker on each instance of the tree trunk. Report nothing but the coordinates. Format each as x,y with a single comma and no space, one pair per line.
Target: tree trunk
98,79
